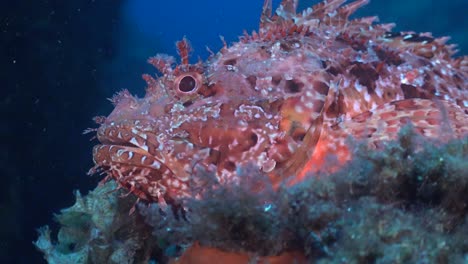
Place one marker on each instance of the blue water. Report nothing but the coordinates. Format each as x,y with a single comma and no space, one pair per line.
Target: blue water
202,22
149,27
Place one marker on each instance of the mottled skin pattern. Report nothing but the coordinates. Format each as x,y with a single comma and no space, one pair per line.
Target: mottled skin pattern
282,98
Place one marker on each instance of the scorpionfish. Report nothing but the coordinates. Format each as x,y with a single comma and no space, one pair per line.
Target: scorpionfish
282,99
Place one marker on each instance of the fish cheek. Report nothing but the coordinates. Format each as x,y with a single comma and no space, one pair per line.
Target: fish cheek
297,120
302,124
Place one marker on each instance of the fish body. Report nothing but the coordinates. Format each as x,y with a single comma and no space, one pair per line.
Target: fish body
282,99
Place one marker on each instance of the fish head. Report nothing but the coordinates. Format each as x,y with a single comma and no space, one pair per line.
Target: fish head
259,101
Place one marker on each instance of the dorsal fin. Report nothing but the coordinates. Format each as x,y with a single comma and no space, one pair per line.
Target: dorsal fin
184,49
162,62
286,21
265,18
323,8
349,9
288,7
285,11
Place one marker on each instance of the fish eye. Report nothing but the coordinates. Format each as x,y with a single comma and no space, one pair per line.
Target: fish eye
187,84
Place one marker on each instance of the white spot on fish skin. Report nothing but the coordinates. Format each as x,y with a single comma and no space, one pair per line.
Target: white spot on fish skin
130,155
144,147
177,108
403,79
291,147
189,146
231,68
356,106
378,92
175,183
359,87
298,109
345,84
367,97
156,165
332,14
180,155
120,152
134,141
119,135
168,182
268,165
143,159
270,126
242,123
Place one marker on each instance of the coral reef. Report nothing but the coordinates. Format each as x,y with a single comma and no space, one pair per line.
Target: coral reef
404,204
98,229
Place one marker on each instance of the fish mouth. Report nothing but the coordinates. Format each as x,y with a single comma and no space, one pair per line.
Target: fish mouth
125,143
127,156
133,168
106,155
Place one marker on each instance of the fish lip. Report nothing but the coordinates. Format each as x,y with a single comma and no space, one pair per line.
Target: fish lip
127,155
143,176
121,140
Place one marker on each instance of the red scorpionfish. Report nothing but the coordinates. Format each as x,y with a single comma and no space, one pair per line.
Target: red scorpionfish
282,99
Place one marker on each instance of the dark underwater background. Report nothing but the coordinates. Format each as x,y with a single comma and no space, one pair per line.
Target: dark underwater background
62,59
